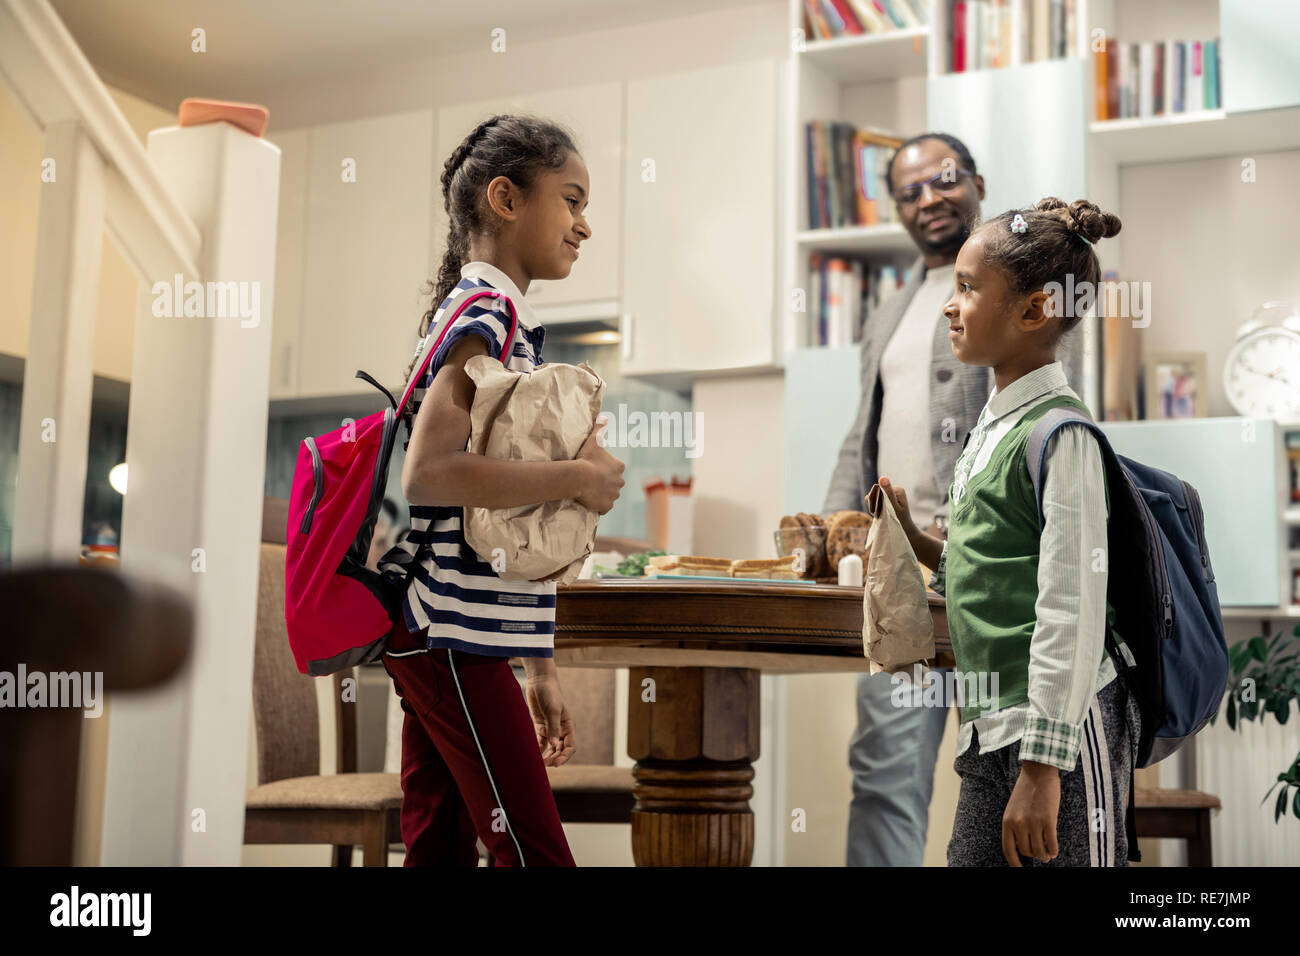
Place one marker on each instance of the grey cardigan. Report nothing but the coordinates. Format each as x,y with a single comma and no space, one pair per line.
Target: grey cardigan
958,394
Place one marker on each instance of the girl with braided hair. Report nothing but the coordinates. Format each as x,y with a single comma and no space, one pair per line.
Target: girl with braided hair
1046,758
473,758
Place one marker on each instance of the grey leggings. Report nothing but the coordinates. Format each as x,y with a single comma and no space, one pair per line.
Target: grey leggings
1094,795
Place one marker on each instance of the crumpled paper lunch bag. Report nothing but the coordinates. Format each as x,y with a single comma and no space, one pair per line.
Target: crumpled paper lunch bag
543,415
897,627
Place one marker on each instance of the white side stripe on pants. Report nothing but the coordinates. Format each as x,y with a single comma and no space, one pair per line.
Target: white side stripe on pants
1097,787
451,662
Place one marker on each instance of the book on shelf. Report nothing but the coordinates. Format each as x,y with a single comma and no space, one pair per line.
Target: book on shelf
842,295
829,19
1156,78
984,34
1121,346
845,171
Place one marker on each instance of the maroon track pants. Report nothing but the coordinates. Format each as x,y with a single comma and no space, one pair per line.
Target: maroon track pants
470,764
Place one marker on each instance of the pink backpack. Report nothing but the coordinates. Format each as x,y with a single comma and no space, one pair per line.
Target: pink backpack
338,612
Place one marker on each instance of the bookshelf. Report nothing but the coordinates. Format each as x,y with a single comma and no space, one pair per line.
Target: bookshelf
899,81
890,240
865,59
832,80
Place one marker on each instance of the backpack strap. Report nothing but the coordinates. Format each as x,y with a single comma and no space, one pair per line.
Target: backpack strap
462,301
1044,429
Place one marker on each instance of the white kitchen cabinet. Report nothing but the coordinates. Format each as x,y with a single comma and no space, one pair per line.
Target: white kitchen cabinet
289,262
594,114
701,220
366,251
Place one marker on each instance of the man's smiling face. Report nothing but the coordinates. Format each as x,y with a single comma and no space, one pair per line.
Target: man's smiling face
938,214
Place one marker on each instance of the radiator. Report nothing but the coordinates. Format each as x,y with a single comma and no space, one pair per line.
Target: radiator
1239,766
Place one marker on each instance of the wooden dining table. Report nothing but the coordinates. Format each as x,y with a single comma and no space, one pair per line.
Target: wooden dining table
695,650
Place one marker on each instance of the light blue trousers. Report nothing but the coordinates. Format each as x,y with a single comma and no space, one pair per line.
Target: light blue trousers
892,757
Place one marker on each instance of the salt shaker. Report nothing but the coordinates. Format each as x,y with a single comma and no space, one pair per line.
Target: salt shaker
850,571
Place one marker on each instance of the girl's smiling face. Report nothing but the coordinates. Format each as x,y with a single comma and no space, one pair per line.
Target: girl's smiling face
553,223
987,320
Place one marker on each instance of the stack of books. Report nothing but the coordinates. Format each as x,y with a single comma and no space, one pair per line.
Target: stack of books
842,295
846,175
827,19
982,33
1141,80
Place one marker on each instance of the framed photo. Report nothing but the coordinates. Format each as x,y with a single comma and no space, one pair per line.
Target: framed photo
1175,385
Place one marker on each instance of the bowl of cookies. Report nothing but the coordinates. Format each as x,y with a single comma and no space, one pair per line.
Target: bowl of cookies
818,543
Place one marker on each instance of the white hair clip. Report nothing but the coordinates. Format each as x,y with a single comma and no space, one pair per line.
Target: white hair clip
1018,224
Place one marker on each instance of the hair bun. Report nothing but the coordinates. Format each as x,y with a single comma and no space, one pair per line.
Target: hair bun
1087,219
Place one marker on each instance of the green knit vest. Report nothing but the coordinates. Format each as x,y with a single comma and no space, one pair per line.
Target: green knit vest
991,572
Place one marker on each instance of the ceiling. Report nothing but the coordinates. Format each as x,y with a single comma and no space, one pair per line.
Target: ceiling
253,46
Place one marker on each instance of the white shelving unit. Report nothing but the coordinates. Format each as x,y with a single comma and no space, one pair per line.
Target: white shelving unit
873,57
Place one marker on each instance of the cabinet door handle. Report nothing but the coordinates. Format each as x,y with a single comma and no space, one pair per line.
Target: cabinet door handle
627,334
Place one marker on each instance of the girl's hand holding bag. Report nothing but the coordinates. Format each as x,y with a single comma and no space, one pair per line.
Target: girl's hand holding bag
897,628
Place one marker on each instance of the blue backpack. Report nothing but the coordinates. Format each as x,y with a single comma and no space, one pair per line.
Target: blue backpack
1174,658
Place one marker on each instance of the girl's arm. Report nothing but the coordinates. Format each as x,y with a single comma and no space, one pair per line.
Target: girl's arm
439,471
1068,644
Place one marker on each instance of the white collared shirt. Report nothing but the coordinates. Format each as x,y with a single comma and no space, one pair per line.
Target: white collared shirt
499,280
1068,662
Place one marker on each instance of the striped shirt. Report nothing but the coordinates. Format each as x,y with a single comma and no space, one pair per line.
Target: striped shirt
452,590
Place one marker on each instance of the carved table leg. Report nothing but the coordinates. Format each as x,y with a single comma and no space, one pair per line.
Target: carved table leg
694,734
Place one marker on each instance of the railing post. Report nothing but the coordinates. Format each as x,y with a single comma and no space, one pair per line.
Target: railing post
192,516
54,426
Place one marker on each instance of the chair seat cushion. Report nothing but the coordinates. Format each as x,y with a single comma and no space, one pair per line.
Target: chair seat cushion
1174,800
335,791
590,777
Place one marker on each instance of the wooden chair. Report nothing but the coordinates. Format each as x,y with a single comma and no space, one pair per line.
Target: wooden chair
592,789
1180,815
72,619
293,802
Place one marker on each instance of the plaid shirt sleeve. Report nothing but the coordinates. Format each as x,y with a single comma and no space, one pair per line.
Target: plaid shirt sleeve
937,580
1066,650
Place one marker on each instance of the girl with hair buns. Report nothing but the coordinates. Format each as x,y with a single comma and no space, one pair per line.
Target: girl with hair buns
473,759
1045,754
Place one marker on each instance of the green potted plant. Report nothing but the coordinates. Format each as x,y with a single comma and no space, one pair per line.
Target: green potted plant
1265,680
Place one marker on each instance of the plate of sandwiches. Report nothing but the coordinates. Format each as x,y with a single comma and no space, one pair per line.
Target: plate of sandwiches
724,569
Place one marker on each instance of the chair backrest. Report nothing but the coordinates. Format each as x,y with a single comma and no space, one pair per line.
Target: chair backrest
589,696
284,701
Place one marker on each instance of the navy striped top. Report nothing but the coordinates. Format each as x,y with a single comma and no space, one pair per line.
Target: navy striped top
452,590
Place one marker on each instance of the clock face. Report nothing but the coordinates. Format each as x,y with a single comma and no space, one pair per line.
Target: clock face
1262,375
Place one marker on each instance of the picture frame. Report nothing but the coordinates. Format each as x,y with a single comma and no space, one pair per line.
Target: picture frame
1174,385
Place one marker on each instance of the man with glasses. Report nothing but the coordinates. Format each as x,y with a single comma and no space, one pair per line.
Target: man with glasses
918,403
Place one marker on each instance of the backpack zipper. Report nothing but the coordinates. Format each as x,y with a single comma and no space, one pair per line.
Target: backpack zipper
318,477
1198,525
1166,602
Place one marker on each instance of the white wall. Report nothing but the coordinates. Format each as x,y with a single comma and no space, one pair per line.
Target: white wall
1212,247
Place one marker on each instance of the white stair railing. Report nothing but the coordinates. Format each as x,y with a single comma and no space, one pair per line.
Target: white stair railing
196,209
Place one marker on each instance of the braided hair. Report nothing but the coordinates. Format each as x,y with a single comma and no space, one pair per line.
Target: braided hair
1057,241
516,147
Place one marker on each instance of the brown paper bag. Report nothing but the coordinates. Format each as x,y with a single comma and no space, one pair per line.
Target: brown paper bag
543,415
897,628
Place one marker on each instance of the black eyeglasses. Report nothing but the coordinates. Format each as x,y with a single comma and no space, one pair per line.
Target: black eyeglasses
911,195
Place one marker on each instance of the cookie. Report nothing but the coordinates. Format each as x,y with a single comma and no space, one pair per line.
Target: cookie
841,538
